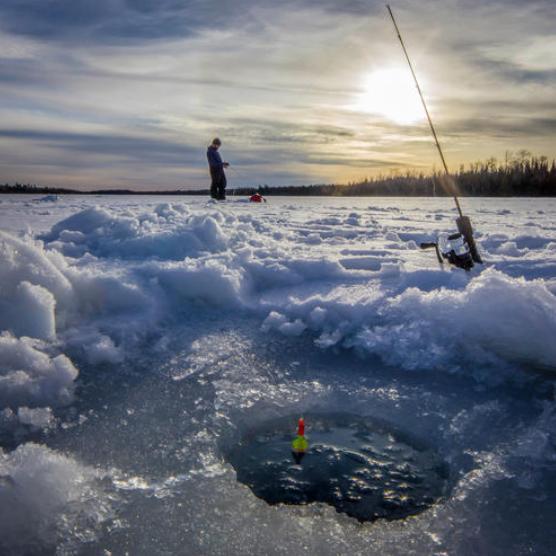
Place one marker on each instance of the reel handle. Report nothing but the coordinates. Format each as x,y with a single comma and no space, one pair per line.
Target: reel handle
431,245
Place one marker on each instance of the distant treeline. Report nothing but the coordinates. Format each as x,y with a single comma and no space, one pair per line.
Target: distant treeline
519,175
31,188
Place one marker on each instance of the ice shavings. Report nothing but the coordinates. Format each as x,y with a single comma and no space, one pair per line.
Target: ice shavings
207,281
39,418
103,350
47,500
33,291
493,318
30,377
31,312
100,233
231,258
509,318
281,323
409,317
355,280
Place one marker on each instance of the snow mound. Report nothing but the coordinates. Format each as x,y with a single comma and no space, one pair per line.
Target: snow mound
207,281
166,233
103,350
46,499
33,289
493,318
127,270
43,297
29,377
160,307
495,315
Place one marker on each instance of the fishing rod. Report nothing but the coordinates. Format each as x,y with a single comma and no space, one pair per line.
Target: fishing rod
242,177
238,175
463,222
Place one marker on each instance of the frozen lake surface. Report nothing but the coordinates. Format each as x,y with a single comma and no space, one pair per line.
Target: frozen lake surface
144,337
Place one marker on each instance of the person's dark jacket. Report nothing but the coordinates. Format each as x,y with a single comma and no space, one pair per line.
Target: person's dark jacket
215,161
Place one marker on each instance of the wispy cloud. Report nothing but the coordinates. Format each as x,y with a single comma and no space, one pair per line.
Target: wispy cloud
130,91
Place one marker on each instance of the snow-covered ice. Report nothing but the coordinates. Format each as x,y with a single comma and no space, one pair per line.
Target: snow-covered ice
140,337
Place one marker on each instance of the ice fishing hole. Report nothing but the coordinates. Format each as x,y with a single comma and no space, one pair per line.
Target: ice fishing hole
361,466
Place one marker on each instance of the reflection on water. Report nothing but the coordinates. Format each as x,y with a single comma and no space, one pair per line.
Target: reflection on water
362,467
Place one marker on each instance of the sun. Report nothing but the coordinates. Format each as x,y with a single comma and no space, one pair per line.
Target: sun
391,92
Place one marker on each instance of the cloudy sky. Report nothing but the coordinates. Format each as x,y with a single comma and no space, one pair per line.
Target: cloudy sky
128,93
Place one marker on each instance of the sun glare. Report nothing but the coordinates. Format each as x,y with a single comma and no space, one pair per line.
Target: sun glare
391,93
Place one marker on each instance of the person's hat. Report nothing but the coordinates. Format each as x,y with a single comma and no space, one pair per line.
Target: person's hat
216,141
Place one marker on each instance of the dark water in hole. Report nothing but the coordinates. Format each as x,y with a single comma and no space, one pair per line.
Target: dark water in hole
361,466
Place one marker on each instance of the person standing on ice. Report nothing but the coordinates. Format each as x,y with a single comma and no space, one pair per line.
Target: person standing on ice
216,167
